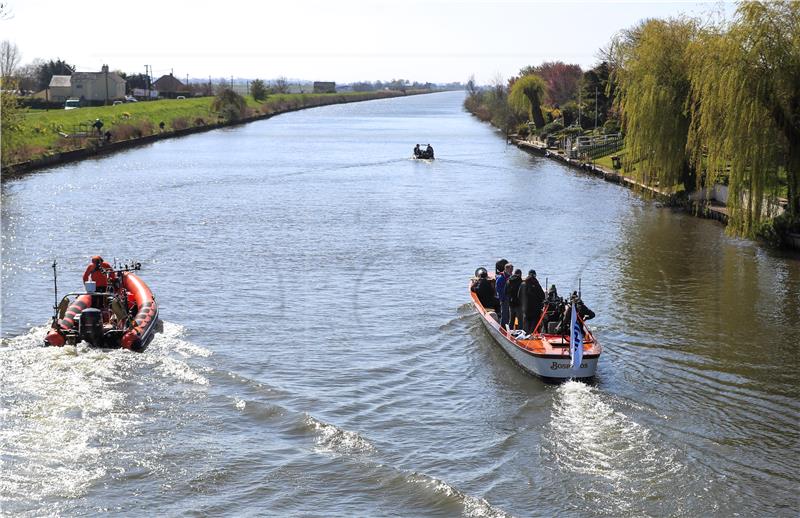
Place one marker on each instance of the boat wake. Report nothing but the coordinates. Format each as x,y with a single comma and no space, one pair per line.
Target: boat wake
75,419
332,439
67,412
472,507
619,460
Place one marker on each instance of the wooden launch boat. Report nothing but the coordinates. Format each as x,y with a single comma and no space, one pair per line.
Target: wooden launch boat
546,354
126,315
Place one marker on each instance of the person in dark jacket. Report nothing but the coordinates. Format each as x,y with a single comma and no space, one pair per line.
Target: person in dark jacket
483,288
499,266
555,308
531,297
515,310
502,294
583,310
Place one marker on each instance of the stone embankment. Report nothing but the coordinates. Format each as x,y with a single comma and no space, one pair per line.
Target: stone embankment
713,210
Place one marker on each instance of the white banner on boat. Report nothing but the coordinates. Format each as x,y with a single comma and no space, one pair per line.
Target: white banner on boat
575,339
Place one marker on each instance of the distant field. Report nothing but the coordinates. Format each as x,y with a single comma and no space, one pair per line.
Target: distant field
43,131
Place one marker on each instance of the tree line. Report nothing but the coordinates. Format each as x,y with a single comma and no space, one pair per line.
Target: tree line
698,102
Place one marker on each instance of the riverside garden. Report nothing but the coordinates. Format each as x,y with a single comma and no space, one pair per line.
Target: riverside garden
680,104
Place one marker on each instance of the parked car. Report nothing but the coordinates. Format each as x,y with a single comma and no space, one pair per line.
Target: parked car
71,104
116,103
130,99
181,97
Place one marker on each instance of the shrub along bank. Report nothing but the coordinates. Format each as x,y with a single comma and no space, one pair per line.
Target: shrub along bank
41,137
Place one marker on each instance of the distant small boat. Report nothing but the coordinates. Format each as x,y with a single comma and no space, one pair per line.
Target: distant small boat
124,316
423,154
543,354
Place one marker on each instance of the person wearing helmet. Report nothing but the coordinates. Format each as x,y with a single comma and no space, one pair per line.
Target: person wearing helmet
100,272
485,291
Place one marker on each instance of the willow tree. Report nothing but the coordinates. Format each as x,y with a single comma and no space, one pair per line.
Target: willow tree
653,87
746,107
526,95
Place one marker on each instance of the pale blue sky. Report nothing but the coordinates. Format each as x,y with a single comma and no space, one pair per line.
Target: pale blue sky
339,40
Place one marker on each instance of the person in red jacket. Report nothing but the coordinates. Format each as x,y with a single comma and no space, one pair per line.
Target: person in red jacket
100,272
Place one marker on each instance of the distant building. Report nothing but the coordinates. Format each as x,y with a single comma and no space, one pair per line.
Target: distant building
169,86
60,88
324,87
91,87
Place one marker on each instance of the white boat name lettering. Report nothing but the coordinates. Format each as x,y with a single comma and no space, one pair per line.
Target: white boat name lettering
556,366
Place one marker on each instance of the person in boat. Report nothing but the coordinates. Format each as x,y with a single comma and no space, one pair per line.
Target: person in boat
100,272
583,309
584,312
499,266
429,151
555,308
531,296
483,288
417,151
515,309
500,285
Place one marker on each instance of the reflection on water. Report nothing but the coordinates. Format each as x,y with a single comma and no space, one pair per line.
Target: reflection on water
320,356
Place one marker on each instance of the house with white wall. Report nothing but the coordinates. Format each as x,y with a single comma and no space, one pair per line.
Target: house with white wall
93,87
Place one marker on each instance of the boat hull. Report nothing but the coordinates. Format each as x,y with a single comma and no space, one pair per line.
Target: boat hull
543,355
549,367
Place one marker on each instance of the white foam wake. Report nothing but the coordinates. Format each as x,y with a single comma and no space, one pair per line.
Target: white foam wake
588,436
332,439
473,507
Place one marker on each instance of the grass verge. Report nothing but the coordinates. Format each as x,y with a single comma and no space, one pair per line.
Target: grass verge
44,133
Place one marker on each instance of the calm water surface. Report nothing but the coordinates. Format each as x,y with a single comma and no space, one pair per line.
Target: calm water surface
320,358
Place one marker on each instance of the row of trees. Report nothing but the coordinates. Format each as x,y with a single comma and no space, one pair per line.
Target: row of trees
553,95
394,84
696,101
699,101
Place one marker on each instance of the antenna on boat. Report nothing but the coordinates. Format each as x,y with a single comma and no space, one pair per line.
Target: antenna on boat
55,288
579,287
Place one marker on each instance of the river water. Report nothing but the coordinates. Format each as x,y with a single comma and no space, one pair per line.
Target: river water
320,358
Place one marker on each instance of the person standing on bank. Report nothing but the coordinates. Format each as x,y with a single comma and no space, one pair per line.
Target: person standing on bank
500,285
515,310
531,297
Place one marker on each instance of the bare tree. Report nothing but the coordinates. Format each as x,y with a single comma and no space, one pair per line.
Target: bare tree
472,87
28,75
5,11
9,58
281,85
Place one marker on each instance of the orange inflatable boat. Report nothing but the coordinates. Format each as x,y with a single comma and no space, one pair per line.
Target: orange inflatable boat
124,315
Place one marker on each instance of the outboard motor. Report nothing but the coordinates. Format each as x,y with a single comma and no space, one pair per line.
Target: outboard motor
90,326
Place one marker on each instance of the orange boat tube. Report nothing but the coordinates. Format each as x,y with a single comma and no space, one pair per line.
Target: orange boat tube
126,316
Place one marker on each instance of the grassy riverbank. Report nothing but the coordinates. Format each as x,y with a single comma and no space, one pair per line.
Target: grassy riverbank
45,133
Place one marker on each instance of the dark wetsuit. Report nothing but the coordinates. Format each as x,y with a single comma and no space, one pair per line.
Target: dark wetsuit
531,297
514,303
483,288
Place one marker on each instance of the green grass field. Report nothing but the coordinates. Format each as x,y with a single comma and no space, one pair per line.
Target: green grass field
42,131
